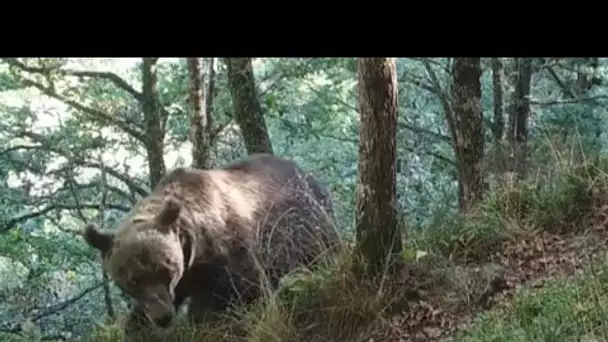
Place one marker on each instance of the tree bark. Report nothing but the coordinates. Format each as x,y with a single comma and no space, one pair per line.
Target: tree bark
154,139
469,142
199,123
586,76
247,109
378,236
498,122
210,96
518,118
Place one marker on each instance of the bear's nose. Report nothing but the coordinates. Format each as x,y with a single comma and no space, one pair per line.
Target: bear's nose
164,321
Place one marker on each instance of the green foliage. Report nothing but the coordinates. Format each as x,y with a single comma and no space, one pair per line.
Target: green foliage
566,204
300,289
462,238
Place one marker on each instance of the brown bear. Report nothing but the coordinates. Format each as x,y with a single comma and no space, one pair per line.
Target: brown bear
218,236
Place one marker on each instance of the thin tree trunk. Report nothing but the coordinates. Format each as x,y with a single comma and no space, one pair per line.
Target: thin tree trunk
469,146
519,116
247,109
210,94
497,76
102,218
107,298
500,161
199,124
378,236
154,139
587,75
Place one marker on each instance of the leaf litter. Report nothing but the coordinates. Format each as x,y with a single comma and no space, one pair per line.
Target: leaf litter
529,261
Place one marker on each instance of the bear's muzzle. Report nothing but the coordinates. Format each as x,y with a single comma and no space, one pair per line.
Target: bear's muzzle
157,305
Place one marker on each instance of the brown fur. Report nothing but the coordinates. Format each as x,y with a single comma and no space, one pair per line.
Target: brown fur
214,236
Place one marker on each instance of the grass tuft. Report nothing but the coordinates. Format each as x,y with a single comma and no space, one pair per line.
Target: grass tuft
571,203
566,309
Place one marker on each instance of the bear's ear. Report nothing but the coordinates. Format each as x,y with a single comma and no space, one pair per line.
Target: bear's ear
96,239
169,213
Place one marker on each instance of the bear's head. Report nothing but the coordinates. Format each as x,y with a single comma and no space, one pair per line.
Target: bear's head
147,259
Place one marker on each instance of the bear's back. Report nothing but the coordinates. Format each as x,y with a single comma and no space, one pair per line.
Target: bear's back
298,220
242,190
276,172
264,167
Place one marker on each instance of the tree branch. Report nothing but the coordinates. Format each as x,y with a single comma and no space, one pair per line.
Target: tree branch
419,82
76,160
118,81
70,180
445,101
559,82
280,75
410,149
444,67
218,129
23,218
110,76
102,218
570,101
16,328
420,130
98,184
123,178
95,114
21,147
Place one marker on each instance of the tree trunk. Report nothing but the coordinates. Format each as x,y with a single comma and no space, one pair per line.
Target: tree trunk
154,139
378,236
518,118
498,123
469,139
107,297
210,96
500,161
199,124
247,109
587,76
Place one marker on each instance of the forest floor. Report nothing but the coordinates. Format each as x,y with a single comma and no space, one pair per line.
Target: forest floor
528,268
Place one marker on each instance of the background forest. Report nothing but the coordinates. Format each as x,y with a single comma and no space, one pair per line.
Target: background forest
501,206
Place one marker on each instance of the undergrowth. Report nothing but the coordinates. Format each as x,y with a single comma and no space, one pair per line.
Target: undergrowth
448,265
568,203
329,304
